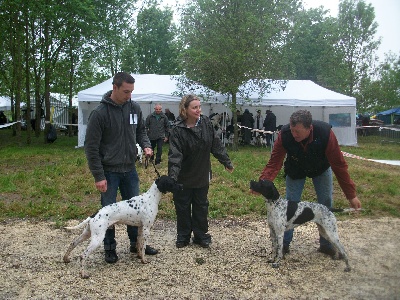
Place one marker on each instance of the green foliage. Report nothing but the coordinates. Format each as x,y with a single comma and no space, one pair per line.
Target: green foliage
153,45
229,42
387,89
67,46
310,49
357,29
52,181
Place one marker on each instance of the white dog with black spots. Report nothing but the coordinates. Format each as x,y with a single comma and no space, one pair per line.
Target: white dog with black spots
283,215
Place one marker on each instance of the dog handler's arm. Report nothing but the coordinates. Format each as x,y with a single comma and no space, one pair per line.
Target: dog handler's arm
340,169
275,163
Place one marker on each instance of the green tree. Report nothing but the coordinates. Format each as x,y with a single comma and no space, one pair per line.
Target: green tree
309,51
12,57
384,92
229,42
357,30
390,81
154,47
41,33
111,33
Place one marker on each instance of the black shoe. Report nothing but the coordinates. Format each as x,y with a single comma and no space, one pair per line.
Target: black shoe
148,250
330,251
204,242
285,249
181,244
110,256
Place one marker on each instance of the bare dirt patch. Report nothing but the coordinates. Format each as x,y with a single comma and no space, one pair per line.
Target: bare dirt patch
235,267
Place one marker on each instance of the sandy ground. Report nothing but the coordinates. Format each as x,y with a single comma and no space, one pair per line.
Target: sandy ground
235,267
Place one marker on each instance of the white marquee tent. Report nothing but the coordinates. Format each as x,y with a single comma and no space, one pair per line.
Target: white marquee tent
337,109
5,103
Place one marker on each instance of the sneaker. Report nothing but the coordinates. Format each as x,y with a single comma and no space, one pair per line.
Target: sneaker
110,256
148,250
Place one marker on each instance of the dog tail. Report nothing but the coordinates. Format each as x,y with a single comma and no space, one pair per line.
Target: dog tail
80,225
344,209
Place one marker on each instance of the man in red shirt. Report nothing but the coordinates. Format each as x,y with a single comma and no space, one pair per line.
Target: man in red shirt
311,150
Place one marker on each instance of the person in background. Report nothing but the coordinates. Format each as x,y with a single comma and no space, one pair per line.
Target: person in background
269,125
192,142
247,121
170,115
258,123
171,119
224,124
224,120
311,150
113,130
238,118
157,130
3,118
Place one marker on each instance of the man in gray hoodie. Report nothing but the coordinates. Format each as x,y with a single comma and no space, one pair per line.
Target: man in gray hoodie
114,127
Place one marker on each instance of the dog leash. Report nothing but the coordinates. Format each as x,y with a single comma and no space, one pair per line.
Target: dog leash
146,164
155,169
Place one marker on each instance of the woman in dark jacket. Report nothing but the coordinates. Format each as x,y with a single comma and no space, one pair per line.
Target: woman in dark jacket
192,141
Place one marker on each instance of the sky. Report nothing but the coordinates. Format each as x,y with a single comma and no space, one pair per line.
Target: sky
387,15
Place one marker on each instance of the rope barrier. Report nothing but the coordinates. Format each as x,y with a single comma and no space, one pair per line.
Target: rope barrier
256,130
9,124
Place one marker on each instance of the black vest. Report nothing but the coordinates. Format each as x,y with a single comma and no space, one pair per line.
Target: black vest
312,162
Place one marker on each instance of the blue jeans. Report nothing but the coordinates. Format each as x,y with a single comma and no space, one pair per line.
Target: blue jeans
323,185
128,185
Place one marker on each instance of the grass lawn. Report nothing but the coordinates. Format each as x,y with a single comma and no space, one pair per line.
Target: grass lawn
52,181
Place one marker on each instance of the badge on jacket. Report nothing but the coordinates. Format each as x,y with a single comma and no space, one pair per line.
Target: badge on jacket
134,120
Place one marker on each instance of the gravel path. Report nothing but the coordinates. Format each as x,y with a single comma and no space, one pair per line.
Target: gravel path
235,267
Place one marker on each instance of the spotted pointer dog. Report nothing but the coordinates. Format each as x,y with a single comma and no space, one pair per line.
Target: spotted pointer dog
138,211
283,215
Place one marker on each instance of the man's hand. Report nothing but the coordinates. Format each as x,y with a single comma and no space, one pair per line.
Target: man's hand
101,186
148,152
355,203
229,170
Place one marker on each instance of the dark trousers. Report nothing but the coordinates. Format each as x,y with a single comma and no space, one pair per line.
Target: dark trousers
268,137
157,144
191,205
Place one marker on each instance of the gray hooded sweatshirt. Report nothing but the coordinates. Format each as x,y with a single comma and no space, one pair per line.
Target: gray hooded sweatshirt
111,136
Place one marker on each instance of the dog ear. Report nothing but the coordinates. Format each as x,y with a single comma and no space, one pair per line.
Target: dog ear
253,185
276,194
265,188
